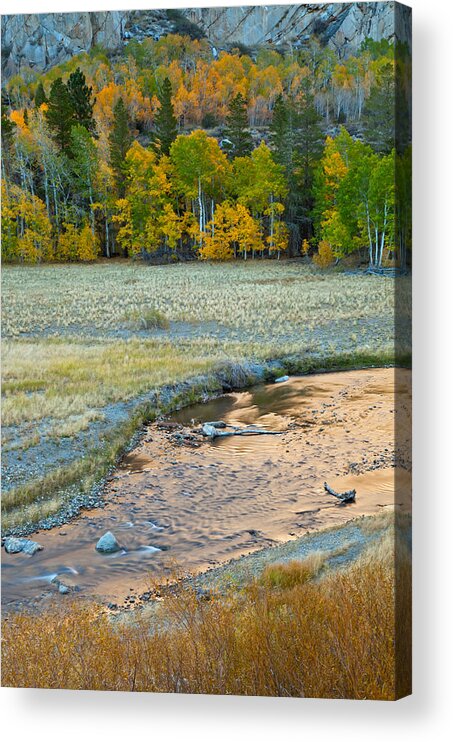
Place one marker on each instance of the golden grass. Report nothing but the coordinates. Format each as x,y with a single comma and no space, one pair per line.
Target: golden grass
293,573
335,637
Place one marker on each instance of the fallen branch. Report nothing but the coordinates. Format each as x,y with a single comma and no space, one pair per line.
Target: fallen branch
344,497
210,431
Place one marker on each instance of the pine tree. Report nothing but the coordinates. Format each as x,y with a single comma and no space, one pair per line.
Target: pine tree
119,140
81,97
379,113
165,121
7,138
237,130
282,132
309,148
7,127
40,95
297,145
60,114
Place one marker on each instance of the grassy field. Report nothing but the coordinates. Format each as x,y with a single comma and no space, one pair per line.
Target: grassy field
84,346
298,629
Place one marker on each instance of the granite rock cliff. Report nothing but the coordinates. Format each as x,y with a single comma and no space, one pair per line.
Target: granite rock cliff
43,40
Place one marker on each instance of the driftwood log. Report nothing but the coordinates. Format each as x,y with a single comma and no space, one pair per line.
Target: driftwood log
344,497
211,430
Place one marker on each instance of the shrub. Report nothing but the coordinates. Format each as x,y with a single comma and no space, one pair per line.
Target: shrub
285,576
148,319
324,257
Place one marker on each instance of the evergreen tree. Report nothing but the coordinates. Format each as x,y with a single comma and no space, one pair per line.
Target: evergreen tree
60,114
40,95
81,97
8,127
237,129
119,140
282,132
7,135
309,146
165,121
379,113
297,142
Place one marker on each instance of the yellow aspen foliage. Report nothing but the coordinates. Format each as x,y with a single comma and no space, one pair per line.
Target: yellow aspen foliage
123,217
220,234
88,247
278,241
27,229
170,226
305,247
18,118
67,245
233,231
334,169
248,232
324,257
8,226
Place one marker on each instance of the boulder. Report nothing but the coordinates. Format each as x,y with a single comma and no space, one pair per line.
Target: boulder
15,545
108,544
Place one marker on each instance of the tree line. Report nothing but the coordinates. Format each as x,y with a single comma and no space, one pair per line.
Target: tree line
80,180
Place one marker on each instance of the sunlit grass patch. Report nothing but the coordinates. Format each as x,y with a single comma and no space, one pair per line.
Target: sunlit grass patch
293,573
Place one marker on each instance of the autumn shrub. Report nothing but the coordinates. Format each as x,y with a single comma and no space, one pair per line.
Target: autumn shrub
148,319
74,244
293,573
332,637
88,249
324,257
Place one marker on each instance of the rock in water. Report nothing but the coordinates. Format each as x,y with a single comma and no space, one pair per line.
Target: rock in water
15,545
281,379
64,584
108,544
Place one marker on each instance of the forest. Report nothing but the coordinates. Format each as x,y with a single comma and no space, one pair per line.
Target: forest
170,150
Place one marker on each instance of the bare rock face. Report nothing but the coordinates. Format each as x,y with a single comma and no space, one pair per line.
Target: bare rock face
43,40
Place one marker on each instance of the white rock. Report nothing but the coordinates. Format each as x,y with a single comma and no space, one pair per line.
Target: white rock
108,544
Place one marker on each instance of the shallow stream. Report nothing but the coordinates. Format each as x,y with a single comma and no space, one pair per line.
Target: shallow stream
199,507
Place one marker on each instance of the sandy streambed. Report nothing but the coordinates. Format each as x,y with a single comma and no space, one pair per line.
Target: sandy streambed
200,507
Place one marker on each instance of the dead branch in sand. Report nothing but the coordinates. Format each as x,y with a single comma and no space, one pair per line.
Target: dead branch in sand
210,430
344,497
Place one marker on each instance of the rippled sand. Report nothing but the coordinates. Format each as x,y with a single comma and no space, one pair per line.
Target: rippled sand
204,506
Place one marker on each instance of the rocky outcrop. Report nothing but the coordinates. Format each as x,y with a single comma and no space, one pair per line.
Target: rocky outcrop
343,25
43,40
